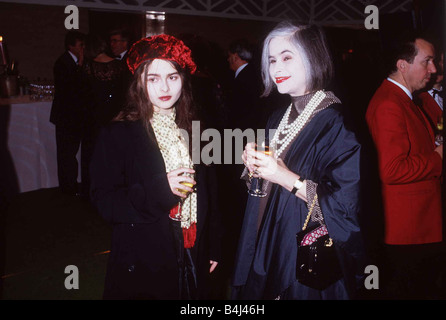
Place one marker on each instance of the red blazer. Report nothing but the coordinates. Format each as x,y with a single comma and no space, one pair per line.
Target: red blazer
409,167
431,108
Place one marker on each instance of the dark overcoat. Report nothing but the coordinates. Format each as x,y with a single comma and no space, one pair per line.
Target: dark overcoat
327,153
131,191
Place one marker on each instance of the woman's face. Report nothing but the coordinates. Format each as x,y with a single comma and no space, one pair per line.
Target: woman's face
164,85
286,68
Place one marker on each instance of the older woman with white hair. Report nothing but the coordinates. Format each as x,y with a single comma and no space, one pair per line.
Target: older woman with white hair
311,182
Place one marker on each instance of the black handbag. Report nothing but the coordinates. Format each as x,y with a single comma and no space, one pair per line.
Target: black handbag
317,265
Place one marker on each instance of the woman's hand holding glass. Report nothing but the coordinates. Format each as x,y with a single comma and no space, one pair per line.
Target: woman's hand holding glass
181,181
264,165
257,189
271,168
249,164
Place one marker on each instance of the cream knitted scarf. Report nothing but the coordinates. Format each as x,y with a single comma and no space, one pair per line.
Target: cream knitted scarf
175,153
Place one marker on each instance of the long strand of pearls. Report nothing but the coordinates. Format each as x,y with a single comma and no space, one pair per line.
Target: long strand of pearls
291,130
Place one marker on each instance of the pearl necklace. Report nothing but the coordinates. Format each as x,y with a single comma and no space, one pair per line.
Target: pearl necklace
291,130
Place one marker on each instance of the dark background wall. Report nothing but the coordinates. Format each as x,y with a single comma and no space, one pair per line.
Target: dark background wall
34,36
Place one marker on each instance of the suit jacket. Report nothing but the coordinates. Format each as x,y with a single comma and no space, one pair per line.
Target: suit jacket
69,96
127,76
129,187
431,108
409,167
245,109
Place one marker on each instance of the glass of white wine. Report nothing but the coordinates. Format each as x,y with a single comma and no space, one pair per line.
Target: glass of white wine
439,136
179,216
256,189
187,183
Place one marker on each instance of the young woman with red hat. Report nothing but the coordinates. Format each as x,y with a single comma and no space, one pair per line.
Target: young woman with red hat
166,230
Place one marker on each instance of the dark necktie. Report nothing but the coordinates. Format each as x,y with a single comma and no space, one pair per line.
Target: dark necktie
435,92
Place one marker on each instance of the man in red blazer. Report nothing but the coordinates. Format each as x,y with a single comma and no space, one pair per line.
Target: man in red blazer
410,166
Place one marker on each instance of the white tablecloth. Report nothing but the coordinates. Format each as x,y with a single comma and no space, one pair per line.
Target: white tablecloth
32,145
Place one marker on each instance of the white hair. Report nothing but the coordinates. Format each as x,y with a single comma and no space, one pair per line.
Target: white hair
311,45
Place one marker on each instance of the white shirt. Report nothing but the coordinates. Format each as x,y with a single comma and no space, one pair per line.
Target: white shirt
73,56
121,55
240,69
402,87
437,98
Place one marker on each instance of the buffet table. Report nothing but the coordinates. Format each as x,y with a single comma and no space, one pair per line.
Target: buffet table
31,142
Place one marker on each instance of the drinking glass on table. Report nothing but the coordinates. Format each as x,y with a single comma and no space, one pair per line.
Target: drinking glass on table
268,148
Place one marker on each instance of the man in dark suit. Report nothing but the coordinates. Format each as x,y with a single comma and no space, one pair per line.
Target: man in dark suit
68,112
410,167
244,105
120,41
119,44
243,112
432,99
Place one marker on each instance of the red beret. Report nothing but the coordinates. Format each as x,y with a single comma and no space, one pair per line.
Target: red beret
160,46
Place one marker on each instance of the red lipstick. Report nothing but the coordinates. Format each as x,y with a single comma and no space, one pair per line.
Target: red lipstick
165,98
281,79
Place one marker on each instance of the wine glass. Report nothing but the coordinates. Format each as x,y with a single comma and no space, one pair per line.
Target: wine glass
439,127
256,189
178,216
187,183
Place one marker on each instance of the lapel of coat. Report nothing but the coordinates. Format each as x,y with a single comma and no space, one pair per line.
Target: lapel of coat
412,107
423,119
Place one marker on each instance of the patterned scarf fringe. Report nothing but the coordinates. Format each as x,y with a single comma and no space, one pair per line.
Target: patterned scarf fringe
189,234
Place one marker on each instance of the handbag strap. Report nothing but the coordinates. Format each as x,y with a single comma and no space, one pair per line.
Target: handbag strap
310,212
329,242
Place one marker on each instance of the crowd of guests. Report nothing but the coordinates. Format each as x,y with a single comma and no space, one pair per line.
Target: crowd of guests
90,87
178,224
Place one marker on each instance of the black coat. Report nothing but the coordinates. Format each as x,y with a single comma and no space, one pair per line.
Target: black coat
69,96
326,152
129,186
244,106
